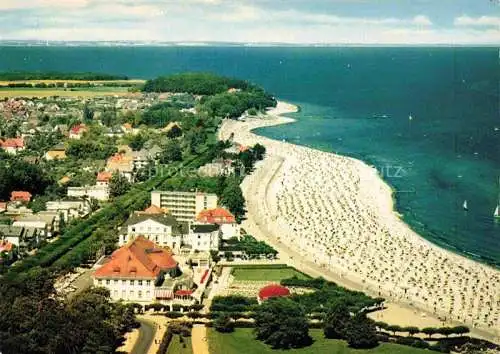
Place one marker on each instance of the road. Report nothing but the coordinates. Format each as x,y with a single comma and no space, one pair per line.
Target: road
146,335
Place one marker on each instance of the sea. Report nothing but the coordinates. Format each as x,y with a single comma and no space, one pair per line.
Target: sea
427,118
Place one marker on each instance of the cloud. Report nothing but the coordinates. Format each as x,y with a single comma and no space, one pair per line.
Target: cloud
238,21
477,21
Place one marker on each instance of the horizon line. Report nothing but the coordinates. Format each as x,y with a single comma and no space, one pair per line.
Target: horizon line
43,42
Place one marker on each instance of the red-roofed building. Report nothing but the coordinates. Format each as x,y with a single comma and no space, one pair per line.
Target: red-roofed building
3,207
13,145
141,271
5,246
152,210
77,131
6,249
103,178
222,217
273,290
20,196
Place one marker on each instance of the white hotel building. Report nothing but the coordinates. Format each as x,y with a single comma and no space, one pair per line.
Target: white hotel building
184,206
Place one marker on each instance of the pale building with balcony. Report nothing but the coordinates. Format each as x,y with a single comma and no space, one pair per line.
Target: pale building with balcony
184,206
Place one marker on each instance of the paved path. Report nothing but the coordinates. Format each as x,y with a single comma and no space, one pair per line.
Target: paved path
199,339
146,334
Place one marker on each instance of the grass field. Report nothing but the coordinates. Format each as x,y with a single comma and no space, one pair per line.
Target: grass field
176,347
132,81
83,92
242,341
262,273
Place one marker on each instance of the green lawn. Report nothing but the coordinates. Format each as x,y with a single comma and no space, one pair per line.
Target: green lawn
260,273
176,347
242,341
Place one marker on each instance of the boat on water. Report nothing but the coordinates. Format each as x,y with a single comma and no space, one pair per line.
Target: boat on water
466,208
496,213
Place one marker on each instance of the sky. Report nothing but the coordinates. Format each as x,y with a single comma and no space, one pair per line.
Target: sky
254,21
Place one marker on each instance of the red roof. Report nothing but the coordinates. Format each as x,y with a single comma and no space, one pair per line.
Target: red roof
78,129
20,196
5,246
204,277
273,290
216,216
153,209
3,206
13,143
104,176
183,292
139,259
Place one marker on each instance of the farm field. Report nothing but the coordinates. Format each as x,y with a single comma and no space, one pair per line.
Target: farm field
49,92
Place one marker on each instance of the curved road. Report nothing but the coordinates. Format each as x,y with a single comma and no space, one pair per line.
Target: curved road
146,335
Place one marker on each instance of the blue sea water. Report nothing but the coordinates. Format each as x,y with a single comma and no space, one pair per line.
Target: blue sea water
357,101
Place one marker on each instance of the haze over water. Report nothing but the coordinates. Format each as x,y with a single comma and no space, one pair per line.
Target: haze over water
357,101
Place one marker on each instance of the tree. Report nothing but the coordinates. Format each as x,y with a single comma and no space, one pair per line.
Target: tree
224,324
445,331
259,151
136,142
282,323
460,330
88,114
93,204
394,329
361,332
174,132
232,198
171,153
412,330
429,331
336,321
118,185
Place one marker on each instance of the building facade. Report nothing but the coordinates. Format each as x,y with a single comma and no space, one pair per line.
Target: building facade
143,272
161,229
224,218
184,206
203,237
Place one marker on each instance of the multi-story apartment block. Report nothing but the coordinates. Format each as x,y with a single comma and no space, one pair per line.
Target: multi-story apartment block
184,206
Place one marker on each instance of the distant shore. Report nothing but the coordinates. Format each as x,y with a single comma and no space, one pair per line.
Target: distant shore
335,215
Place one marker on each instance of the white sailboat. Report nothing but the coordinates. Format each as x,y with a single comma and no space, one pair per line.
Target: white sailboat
465,205
496,213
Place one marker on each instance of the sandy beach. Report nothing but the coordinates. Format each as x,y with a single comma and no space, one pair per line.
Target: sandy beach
332,215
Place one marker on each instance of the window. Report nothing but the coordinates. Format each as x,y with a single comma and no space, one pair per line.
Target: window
123,282
132,282
115,293
139,294
133,229
116,282
108,281
131,293
140,282
123,294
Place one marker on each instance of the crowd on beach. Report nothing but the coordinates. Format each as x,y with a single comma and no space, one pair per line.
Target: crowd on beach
338,213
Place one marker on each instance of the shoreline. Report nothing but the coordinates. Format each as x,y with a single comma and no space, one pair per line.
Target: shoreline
360,206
